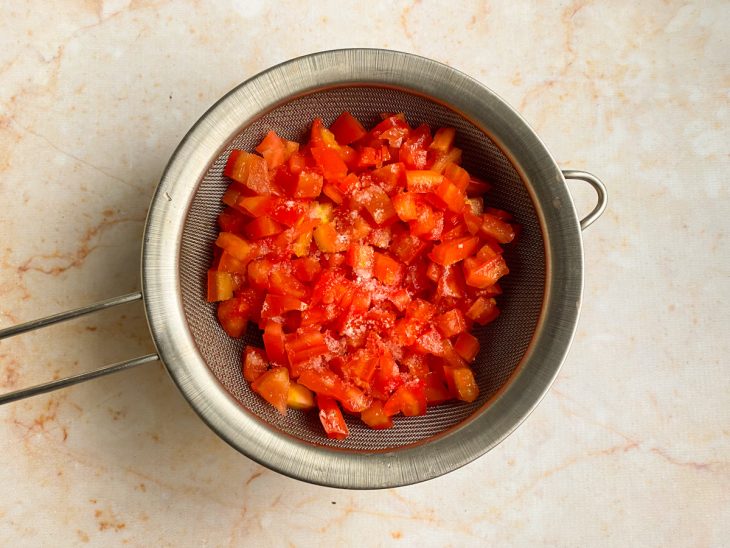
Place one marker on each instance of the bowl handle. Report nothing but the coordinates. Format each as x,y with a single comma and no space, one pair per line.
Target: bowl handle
74,379
600,189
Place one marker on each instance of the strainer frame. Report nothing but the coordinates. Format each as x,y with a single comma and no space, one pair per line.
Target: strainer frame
553,206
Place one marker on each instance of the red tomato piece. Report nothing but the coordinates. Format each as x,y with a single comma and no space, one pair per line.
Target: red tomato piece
451,323
467,346
331,418
387,270
276,305
329,161
255,363
484,273
273,149
274,342
496,228
220,286
248,169
375,417
409,399
423,180
406,206
451,195
483,311
233,315
443,139
262,227
347,129
453,251
273,386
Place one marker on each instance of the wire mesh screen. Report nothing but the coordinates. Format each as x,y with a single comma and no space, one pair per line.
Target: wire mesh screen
503,342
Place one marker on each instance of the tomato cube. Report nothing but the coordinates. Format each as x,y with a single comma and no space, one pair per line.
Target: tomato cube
248,169
458,176
443,139
274,342
409,399
255,363
451,195
273,386
483,311
423,180
329,161
299,397
347,129
361,257
375,417
262,227
308,185
233,315
467,346
238,247
465,386
331,418
453,251
328,240
276,305
406,206
387,270
451,323
496,228
484,273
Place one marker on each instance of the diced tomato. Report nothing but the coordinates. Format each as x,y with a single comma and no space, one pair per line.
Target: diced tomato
451,195
443,139
276,305
451,323
464,384
255,363
375,417
387,270
308,185
328,240
233,315
248,169
273,386
496,228
483,311
423,180
467,346
453,251
306,268
347,129
365,258
330,384
406,206
231,220
458,176
329,161
299,397
238,247
273,149
407,247
331,418
255,205
274,342
262,227
409,399
220,286
484,273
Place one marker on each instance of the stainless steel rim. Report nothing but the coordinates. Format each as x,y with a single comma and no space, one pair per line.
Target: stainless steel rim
554,206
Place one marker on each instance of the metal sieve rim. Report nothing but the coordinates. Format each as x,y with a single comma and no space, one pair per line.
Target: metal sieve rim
553,206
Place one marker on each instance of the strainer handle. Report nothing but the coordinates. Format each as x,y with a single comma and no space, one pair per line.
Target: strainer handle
81,377
600,189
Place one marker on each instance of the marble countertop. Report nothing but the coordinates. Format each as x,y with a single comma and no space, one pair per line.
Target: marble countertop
631,446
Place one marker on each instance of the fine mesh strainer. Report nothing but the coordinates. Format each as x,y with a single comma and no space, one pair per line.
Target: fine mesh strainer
521,352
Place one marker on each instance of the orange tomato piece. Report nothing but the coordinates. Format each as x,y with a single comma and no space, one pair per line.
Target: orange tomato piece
273,386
